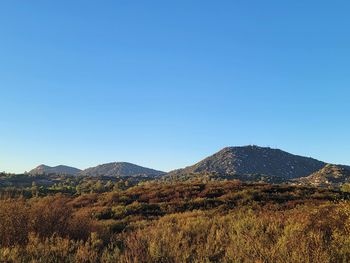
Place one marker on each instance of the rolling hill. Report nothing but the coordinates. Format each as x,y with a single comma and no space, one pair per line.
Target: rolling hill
60,169
120,169
329,175
248,160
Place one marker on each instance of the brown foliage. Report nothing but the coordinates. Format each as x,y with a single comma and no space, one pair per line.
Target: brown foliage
13,222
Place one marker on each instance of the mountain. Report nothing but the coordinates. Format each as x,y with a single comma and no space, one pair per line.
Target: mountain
248,160
120,169
60,169
329,175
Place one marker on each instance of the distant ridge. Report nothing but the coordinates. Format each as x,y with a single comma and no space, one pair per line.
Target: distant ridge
60,169
247,160
120,169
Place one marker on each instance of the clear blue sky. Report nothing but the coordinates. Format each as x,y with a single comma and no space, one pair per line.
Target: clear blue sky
165,83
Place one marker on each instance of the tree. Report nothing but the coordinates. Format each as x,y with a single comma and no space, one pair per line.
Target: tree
34,189
98,187
345,188
109,185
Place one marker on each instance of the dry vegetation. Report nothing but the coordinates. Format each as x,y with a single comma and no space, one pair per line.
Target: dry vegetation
182,222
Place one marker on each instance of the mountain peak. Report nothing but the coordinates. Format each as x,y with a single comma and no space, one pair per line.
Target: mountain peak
253,159
120,169
59,169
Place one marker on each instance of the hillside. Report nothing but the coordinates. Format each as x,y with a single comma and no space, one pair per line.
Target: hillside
60,169
249,160
120,169
329,175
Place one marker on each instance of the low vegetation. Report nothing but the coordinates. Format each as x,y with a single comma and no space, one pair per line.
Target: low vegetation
178,222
